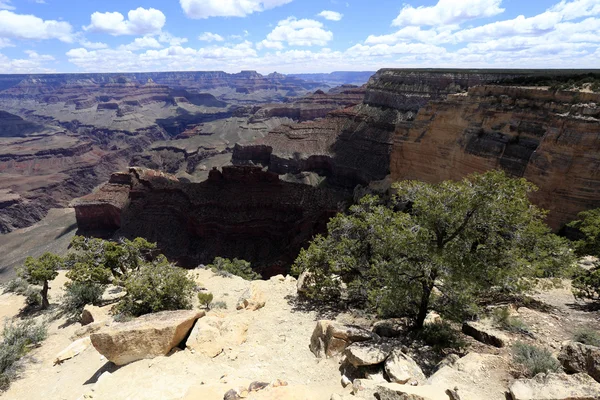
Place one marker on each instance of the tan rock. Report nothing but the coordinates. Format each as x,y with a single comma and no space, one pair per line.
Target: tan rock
330,338
92,314
393,327
432,318
402,369
394,391
485,333
554,386
253,298
365,353
87,330
212,334
148,336
578,357
477,377
74,349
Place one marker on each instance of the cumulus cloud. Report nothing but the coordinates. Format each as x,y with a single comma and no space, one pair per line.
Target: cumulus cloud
20,26
166,37
34,63
577,9
92,45
199,9
140,21
146,42
297,32
211,37
331,15
448,12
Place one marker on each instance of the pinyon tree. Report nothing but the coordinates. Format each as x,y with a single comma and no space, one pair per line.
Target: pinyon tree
39,271
439,245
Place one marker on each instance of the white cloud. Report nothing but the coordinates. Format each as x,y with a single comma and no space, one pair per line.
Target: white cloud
92,45
448,12
35,63
140,21
146,42
297,32
211,37
5,43
577,9
199,9
331,15
5,5
166,37
20,26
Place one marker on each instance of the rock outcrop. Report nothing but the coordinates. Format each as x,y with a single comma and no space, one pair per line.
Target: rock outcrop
148,336
555,386
577,357
240,212
330,339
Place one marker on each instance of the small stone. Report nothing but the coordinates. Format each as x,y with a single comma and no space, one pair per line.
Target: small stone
345,381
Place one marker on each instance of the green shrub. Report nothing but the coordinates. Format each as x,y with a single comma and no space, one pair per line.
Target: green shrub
587,336
586,283
219,305
41,270
33,298
79,294
506,321
534,360
18,337
225,266
155,287
205,299
441,336
17,285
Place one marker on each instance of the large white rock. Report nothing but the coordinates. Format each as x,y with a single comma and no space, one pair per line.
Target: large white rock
554,386
253,298
365,353
212,334
74,349
148,336
402,369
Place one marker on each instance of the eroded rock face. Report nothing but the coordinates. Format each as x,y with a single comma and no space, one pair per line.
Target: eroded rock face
148,336
577,357
554,386
330,339
240,212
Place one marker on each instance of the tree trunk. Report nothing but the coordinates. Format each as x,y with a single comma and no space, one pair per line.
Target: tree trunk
424,306
45,302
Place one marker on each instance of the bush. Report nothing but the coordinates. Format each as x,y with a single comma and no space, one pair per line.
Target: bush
225,266
441,336
79,294
534,360
17,285
219,305
587,336
205,299
155,287
18,337
504,320
33,298
586,283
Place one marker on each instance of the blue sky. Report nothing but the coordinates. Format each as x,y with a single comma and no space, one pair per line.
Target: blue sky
292,36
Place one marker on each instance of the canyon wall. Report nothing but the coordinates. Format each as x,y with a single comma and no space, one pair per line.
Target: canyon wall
241,212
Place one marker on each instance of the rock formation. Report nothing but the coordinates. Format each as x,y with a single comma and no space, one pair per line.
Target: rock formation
240,212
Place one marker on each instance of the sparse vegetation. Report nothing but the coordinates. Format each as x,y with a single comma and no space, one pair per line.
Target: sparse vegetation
17,286
78,294
219,305
18,337
441,336
534,360
503,318
241,268
205,298
587,336
39,271
452,243
154,287
586,282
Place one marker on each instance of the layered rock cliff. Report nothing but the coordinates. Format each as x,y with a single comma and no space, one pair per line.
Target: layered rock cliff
241,212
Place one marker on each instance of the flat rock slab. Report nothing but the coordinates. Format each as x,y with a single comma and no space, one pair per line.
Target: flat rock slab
402,369
556,387
212,334
148,336
485,334
365,353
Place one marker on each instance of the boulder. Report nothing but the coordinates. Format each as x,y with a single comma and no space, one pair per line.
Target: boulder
402,369
364,353
87,330
394,391
253,298
432,318
578,357
148,336
555,386
92,313
74,349
302,283
476,376
212,334
390,328
485,334
330,338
